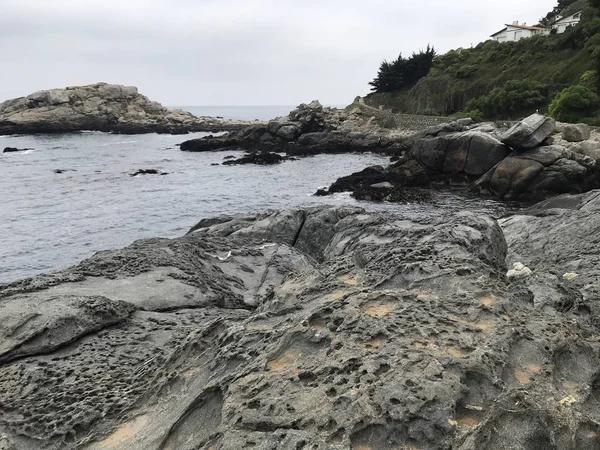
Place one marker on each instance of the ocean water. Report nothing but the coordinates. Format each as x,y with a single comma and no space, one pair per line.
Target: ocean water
50,221
261,112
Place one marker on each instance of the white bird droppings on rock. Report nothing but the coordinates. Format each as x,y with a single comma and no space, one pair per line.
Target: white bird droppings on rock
518,271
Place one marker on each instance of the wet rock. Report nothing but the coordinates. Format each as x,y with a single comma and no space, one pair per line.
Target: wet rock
529,133
261,158
14,149
576,132
147,172
314,328
387,192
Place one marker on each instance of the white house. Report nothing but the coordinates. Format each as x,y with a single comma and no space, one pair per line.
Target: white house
516,32
562,23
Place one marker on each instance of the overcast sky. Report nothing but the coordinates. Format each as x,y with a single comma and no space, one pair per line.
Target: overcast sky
234,52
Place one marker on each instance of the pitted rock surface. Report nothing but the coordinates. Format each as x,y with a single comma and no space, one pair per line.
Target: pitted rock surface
323,328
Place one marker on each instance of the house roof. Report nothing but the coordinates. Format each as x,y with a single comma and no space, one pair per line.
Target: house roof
501,31
524,27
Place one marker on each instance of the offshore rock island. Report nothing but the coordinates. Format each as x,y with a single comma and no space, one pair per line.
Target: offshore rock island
100,107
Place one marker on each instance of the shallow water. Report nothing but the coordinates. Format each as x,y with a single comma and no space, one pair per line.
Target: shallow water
49,221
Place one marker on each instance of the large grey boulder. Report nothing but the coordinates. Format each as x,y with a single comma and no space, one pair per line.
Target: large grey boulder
539,173
99,107
471,152
529,133
576,132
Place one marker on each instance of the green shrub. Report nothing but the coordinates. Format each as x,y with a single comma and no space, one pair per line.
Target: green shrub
466,71
574,103
514,97
590,80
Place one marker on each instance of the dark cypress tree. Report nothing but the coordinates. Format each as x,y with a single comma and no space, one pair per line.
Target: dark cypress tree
403,72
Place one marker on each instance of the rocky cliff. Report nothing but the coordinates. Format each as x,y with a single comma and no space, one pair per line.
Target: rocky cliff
100,107
324,328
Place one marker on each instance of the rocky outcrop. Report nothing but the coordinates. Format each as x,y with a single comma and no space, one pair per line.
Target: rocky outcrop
100,107
14,150
260,158
479,155
311,129
147,172
322,328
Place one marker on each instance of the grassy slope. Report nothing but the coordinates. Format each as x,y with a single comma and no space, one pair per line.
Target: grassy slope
464,74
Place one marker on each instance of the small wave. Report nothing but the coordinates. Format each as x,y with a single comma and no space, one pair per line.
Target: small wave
110,144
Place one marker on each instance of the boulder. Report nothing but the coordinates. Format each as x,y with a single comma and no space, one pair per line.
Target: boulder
576,133
540,172
472,153
529,133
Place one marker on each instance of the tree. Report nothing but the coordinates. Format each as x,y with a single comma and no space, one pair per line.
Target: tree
551,16
574,103
403,72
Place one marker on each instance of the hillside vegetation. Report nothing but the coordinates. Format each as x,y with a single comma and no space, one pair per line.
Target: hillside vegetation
556,74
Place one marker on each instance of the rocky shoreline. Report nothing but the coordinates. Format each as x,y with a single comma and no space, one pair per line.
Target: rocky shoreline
318,328
102,107
532,160
313,129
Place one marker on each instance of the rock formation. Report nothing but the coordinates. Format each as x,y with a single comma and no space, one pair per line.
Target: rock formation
100,107
261,158
14,150
312,129
323,328
528,161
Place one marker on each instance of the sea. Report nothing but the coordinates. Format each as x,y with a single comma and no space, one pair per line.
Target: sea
71,195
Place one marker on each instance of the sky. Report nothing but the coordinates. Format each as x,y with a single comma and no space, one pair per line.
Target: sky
234,52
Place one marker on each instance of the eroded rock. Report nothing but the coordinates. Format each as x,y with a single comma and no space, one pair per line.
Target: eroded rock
319,328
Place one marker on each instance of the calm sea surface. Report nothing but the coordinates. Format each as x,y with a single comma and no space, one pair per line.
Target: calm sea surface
49,220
